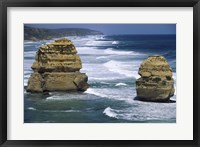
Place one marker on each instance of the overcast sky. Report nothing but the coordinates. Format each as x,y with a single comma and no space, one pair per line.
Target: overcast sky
109,29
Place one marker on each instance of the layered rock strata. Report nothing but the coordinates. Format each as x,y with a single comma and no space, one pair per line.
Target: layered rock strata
56,68
156,82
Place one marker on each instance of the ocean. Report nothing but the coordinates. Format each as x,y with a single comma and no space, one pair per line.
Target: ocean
111,64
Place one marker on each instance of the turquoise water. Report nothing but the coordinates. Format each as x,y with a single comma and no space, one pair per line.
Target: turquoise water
111,63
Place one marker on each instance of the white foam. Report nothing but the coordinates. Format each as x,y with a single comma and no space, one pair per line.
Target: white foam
27,73
25,82
122,68
98,43
111,94
81,41
29,42
61,111
99,38
143,111
110,51
120,84
26,77
101,57
116,114
28,45
63,96
104,78
174,77
105,83
92,91
89,50
115,42
29,54
31,108
109,112
54,97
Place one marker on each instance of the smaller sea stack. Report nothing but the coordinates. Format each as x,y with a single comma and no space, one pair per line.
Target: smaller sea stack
156,82
56,68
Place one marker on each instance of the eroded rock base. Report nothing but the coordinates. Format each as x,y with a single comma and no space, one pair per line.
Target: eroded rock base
57,81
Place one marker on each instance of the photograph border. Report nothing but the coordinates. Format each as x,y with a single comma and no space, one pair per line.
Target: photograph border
99,3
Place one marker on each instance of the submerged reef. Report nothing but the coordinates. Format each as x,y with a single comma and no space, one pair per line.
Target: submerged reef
156,82
56,68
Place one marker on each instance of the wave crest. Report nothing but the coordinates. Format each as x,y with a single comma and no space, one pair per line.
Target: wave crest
31,108
121,84
110,112
115,52
115,42
121,68
91,91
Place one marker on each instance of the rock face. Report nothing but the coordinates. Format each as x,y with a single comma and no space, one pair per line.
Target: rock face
56,68
156,82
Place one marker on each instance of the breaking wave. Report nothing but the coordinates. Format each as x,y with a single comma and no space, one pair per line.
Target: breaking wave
31,108
91,91
110,112
120,84
115,42
122,68
115,52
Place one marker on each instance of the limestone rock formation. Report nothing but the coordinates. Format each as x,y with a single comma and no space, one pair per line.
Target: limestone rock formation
156,82
56,68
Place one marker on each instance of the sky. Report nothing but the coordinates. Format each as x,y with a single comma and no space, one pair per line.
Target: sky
110,29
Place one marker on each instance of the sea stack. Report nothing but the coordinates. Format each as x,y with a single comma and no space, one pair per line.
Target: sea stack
156,82
56,68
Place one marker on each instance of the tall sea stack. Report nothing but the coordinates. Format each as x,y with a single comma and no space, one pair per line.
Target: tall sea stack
156,82
56,68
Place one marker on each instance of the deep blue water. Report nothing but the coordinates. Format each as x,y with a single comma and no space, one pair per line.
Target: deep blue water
111,63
